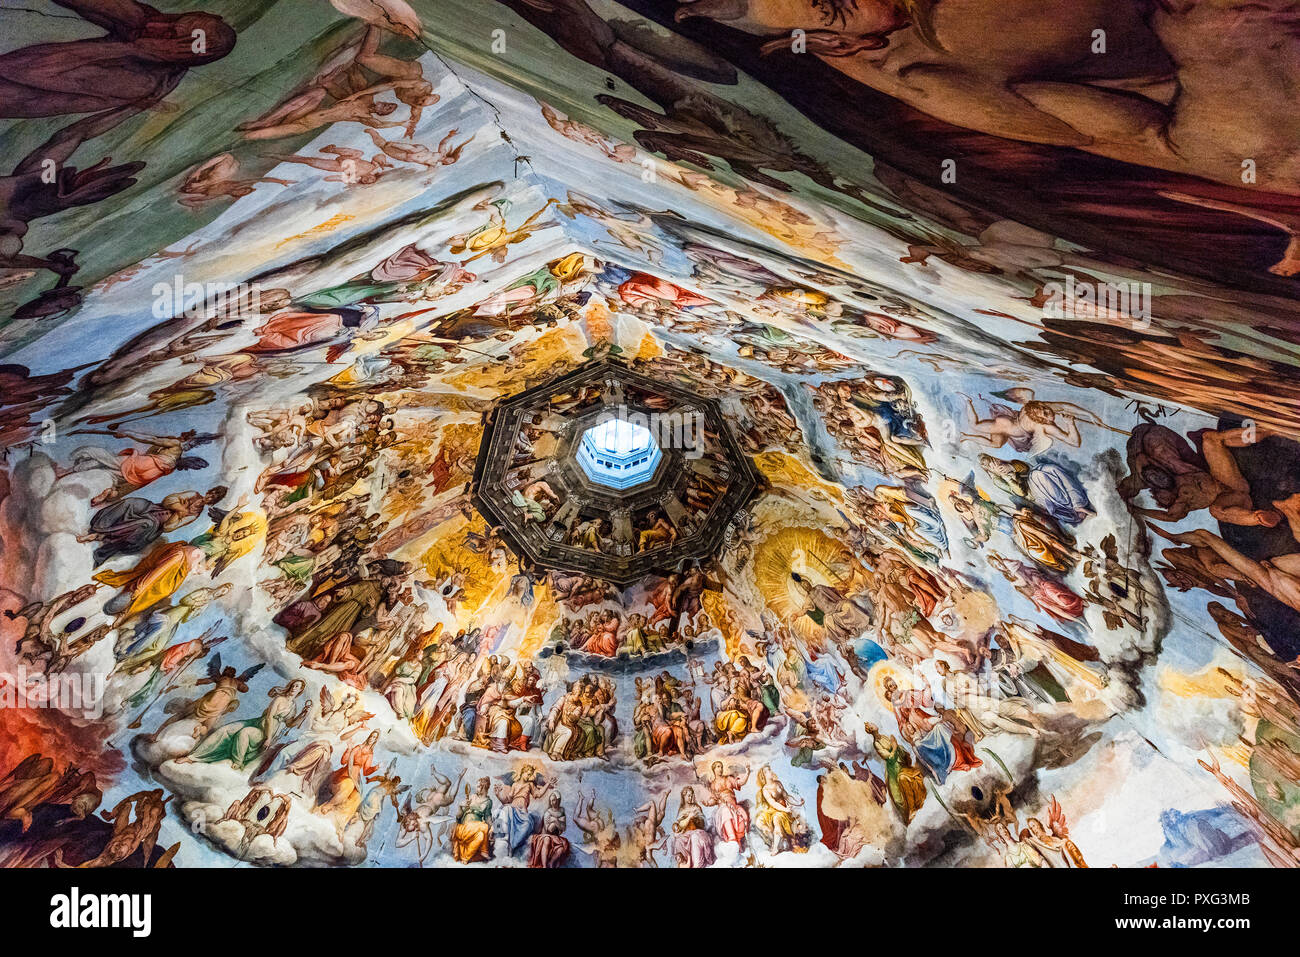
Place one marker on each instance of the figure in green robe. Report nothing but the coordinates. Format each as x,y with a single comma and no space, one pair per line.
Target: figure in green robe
904,781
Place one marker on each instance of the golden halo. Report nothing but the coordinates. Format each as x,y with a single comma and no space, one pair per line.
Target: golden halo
819,558
889,669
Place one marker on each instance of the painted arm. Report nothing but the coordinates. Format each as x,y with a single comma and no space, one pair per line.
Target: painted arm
123,19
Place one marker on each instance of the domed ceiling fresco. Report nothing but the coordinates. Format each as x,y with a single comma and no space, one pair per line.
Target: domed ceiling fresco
966,529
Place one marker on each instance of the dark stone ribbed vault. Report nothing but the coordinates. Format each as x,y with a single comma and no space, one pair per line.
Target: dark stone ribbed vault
529,483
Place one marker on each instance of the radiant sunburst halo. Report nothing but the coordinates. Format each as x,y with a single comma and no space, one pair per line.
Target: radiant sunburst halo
813,556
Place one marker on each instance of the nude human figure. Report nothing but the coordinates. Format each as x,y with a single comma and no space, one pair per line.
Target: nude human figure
339,77
647,831
416,819
395,16
212,705
603,841
404,77
1156,97
540,490
343,81
1030,429
442,795
1224,490
407,152
217,178
1278,576
1289,508
582,133
349,164
142,57
127,834
301,117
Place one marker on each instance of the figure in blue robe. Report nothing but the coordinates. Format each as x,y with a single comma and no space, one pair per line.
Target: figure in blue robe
1058,493
935,752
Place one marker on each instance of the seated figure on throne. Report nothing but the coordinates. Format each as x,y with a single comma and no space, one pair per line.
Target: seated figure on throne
508,715
582,724
658,531
738,702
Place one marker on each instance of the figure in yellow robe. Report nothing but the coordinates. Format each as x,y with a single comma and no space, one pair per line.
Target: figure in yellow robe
904,781
153,580
472,838
732,723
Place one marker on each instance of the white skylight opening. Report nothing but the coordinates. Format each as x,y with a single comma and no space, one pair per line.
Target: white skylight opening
618,453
